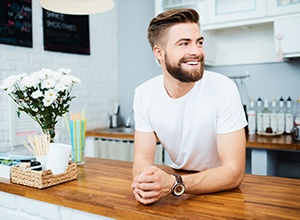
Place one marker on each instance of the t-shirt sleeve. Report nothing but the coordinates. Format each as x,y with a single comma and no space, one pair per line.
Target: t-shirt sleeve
230,112
140,106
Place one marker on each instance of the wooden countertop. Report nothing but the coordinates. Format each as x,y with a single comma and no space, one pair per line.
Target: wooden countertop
281,142
103,188
109,133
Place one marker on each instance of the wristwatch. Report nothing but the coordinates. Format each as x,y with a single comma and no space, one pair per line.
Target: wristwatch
178,188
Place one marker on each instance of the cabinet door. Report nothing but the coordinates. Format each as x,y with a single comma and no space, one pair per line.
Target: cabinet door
240,45
282,7
287,36
220,11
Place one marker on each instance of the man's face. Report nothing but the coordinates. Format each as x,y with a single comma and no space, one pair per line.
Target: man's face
184,54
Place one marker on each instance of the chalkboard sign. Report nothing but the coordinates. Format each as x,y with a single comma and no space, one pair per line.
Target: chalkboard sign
66,33
16,22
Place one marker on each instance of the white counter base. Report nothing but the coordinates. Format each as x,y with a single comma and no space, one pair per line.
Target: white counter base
13,207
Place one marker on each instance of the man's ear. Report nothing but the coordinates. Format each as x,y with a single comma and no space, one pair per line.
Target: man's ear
157,52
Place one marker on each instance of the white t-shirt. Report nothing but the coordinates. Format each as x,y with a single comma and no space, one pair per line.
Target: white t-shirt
188,126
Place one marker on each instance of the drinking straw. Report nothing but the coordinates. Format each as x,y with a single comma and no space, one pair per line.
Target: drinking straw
76,127
67,123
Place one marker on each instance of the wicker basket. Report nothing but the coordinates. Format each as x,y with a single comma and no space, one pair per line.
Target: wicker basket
42,179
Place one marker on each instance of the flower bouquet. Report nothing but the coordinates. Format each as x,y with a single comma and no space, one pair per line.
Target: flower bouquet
43,95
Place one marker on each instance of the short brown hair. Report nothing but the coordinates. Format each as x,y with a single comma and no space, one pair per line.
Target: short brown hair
162,22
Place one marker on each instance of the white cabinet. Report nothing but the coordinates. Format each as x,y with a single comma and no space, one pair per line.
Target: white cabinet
116,149
287,36
222,11
240,45
243,31
283,7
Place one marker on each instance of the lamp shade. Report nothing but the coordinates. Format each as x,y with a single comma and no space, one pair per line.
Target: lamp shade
77,7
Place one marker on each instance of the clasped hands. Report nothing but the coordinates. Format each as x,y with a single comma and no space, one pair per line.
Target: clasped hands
151,185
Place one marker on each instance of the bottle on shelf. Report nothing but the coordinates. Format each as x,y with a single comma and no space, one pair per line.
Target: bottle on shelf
251,114
296,131
259,116
280,117
297,114
289,119
274,117
266,117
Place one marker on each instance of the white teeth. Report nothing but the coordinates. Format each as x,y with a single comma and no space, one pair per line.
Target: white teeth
192,63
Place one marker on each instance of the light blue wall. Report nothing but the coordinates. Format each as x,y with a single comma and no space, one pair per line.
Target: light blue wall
136,62
268,81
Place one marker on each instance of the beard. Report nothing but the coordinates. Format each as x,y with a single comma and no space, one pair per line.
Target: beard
177,72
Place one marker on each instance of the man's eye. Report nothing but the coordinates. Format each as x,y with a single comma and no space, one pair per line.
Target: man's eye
200,43
184,44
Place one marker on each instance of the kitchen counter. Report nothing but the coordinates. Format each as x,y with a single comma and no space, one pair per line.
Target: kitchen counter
103,188
263,148
114,133
281,142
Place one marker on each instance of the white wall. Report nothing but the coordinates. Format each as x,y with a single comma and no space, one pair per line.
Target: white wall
98,71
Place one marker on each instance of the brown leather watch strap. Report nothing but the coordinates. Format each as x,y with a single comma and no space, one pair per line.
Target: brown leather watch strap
178,178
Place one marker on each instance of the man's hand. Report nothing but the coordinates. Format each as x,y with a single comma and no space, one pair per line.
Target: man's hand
151,185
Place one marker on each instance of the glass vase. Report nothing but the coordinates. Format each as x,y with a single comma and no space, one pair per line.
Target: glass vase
51,133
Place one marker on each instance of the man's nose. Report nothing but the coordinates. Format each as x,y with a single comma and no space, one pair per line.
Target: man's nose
196,50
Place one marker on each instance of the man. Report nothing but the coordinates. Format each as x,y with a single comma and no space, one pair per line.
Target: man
197,115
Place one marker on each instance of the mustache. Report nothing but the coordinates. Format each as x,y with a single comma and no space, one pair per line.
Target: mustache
184,59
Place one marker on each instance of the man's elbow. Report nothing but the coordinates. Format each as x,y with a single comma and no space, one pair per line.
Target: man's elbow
238,178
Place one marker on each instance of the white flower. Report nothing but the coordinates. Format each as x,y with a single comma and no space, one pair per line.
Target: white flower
38,75
68,79
50,94
47,102
65,71
56,75
48,83
9,83
20,76
27,82
27,90
61,86
36,94
76,80
47,72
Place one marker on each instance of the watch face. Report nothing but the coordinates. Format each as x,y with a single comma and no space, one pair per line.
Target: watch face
179,189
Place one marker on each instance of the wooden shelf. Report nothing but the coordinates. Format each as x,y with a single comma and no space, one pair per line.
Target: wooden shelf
282,142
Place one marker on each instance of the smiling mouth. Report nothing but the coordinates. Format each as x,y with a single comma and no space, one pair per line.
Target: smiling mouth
193,63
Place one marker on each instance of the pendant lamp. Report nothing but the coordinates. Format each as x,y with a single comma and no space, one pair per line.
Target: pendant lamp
77,7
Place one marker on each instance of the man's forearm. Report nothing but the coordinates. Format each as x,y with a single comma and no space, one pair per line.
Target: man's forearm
139,166
144,151
213,180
